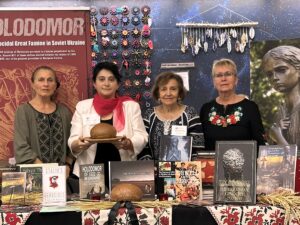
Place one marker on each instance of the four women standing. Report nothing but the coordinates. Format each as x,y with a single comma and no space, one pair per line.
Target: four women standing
229,117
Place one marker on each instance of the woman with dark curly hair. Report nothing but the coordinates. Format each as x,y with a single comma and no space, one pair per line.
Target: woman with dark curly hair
107,106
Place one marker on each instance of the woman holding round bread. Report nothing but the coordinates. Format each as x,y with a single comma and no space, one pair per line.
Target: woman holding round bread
110,108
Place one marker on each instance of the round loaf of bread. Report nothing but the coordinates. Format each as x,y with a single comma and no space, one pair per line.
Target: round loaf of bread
126,192
103,131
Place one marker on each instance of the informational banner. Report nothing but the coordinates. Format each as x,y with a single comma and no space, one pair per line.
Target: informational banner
59,38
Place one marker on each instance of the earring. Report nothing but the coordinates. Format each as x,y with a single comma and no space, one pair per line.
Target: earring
159,101
179,100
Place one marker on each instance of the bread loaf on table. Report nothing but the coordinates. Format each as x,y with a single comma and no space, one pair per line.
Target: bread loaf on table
126,192
103,131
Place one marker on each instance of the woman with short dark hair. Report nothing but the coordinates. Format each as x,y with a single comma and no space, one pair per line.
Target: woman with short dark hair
107,106
169,92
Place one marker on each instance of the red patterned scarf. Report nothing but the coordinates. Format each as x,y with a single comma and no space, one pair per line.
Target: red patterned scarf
106,106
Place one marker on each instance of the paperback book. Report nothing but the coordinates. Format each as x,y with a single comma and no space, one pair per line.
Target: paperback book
175,148
235,172
140,173
91,181
166,179
13,188
188,178
54,185
34,183
207,159
3,170
276,167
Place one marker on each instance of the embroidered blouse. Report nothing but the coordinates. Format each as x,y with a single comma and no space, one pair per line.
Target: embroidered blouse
40,135
239,121
156,128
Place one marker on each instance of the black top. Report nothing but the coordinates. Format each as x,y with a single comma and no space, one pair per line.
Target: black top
106,152
239,121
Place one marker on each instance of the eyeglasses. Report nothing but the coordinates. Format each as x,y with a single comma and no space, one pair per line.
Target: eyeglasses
226,74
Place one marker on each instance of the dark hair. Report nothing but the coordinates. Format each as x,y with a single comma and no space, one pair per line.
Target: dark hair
45,68
164,78
107,66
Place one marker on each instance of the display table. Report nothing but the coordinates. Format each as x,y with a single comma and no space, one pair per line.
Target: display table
177,215
258,214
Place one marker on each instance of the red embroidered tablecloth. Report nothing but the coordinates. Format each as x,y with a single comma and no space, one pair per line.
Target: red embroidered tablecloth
14,218
249,215
149,216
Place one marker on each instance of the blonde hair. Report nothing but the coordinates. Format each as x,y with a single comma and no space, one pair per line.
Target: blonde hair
224,62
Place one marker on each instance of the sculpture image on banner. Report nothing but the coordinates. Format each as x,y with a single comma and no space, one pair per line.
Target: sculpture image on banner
275,83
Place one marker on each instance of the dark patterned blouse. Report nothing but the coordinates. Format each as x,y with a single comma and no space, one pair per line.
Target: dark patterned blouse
156,128
50,132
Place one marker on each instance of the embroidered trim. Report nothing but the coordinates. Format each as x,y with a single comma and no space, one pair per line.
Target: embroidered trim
219,120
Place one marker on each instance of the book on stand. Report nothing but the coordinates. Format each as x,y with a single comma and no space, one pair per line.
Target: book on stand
3,170
276,167
235,172
207,159
140,173
54,185
34,181
166,179
91,181
175,148
188,181
13,188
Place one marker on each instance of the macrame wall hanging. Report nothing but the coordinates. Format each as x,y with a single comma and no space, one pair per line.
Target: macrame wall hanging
204,36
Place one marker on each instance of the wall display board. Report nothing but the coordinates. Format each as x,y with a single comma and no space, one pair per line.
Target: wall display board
122,34
34,37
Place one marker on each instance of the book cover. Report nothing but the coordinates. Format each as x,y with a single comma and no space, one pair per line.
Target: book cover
235,172
276,167
140,173
207,159
3,170
91,181
54,185
188,180
34,183
13,188
175,148
166,179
